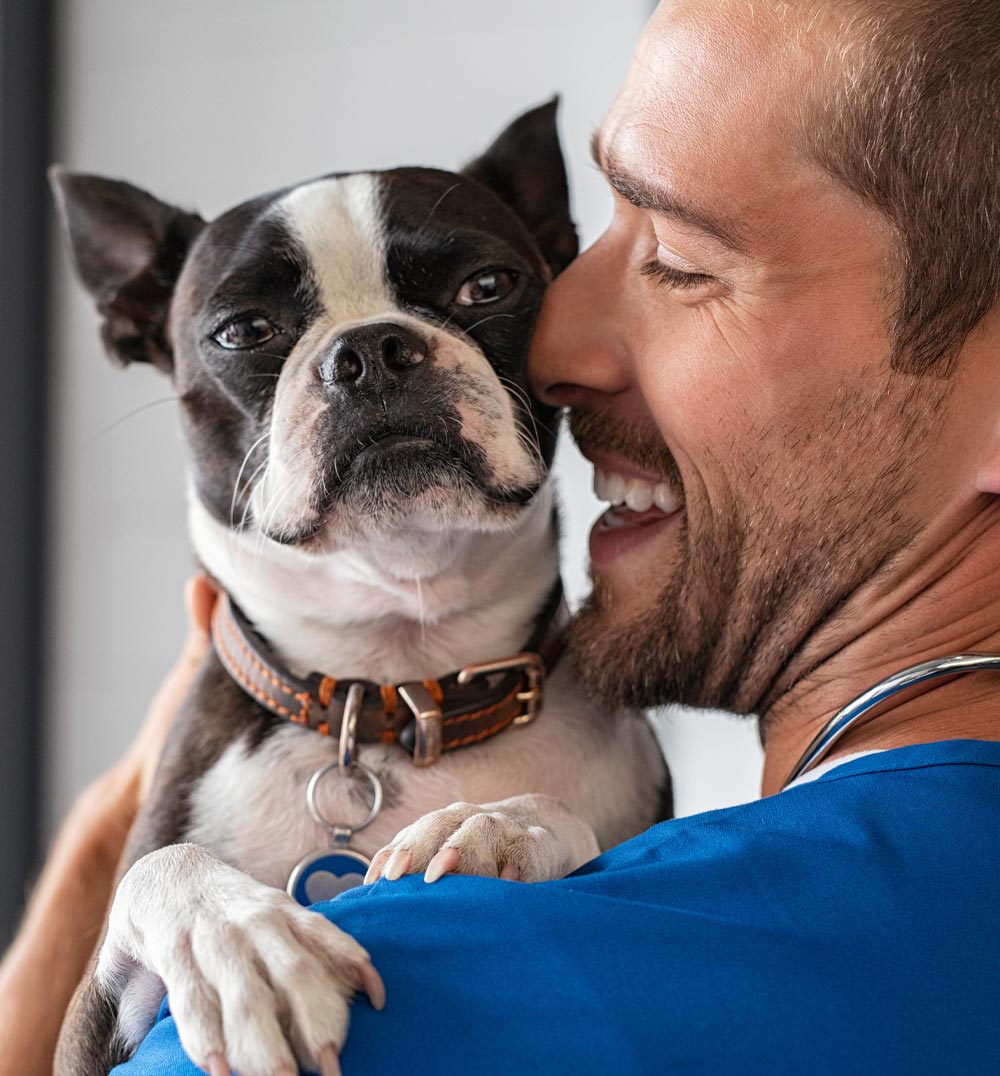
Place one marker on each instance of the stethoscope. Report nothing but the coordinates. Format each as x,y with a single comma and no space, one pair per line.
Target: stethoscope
863,705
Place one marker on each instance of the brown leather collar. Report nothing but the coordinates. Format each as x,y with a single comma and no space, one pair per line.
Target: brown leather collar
427,717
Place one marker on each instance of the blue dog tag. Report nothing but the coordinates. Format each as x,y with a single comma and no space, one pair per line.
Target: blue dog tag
322,875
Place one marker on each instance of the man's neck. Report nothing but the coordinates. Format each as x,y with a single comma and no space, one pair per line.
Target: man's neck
943,599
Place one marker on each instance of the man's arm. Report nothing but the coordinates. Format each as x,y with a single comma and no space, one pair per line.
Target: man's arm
67,910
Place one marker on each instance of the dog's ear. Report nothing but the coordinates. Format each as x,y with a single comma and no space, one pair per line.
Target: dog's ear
128,248
524,165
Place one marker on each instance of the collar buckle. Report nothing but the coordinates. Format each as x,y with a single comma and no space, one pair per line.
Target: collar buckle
530,665
428,723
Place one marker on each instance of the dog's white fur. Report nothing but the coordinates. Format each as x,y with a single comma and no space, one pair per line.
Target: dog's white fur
388,605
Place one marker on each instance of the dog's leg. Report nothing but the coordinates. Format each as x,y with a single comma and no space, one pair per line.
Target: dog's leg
531,838
257,983
88,1043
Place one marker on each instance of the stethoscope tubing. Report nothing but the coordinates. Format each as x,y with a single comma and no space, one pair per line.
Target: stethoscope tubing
850,715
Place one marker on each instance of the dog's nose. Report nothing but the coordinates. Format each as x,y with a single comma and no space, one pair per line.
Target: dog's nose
372,350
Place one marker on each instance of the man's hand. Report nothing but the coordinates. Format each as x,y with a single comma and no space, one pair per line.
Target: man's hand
69,905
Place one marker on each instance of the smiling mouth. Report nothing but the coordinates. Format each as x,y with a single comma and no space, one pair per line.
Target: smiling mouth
639,509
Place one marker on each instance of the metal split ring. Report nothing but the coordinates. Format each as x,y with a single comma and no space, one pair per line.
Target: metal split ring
338,828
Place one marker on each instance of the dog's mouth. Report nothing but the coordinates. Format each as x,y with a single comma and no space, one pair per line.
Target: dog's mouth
387,442
388,470
403,461
402,458
386,450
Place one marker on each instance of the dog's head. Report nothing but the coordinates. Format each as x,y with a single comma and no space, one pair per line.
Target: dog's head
349,352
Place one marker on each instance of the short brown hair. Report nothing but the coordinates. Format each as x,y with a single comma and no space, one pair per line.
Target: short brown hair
914,128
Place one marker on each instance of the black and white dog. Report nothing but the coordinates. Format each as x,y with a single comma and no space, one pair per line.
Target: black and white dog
369,486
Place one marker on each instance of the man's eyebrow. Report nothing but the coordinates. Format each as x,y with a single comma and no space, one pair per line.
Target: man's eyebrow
645,195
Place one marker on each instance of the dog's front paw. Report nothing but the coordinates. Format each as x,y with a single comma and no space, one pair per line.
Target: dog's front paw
525,838
257,983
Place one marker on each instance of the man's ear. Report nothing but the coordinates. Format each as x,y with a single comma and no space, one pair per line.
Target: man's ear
524,165
128,248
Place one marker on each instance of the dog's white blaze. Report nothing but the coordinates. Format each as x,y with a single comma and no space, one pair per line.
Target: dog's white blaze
338,224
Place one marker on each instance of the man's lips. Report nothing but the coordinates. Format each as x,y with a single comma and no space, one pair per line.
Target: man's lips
609,463
619,530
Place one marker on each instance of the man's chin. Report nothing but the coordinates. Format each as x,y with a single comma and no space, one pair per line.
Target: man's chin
613,656
632,647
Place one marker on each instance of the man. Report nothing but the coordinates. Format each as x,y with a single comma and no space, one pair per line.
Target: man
792,321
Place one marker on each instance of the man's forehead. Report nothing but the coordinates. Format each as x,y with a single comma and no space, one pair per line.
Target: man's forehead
713,103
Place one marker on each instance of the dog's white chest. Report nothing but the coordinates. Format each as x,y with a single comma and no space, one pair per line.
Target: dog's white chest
250,808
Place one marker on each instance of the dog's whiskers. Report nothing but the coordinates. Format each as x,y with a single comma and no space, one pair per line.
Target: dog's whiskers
131,414
492,317
270,511
236,485
530,439
251,489
437,204
421,618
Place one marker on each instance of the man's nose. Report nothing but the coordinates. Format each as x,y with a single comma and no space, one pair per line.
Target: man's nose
578,347
372,356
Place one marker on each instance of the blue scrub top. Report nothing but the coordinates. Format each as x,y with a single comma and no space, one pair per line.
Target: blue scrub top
847,925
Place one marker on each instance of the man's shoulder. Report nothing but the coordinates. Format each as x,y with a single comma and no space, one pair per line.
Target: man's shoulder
891,815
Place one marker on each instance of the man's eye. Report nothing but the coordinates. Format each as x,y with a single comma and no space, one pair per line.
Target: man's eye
486,287
244,333
674,278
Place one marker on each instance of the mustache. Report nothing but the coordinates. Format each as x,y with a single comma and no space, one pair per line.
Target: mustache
642,447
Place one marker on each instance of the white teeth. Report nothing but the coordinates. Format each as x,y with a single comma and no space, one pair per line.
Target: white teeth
636,494
639,495
615,491
665,499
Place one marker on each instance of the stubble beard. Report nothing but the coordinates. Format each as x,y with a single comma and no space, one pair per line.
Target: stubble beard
747,584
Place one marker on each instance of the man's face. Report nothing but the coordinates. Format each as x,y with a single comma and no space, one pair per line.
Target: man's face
727,340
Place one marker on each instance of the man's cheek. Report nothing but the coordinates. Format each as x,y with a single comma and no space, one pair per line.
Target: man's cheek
720,350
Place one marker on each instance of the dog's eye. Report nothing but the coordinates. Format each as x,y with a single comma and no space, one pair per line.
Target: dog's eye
485,287
243,333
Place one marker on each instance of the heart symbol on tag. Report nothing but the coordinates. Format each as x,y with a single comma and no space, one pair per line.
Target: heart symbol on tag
322,885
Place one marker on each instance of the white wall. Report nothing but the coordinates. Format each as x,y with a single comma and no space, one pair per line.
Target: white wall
206,102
